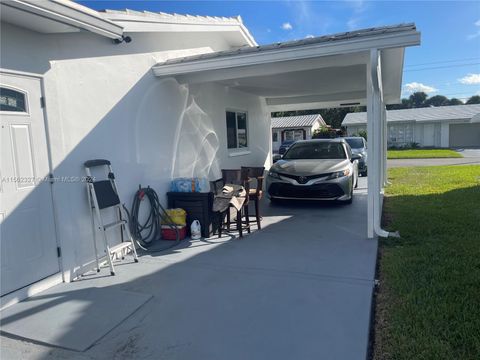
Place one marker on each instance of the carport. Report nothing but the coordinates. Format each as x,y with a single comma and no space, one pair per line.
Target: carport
347,69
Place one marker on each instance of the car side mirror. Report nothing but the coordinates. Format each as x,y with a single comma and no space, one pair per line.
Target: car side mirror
276,157
355,157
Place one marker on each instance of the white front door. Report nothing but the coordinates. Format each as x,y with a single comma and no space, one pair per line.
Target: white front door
27,229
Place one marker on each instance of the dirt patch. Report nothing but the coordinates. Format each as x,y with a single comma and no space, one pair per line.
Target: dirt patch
378,350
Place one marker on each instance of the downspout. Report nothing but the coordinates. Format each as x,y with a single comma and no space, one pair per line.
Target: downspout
377,138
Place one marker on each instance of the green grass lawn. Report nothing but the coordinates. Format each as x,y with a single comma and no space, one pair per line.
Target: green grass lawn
428,301
422,154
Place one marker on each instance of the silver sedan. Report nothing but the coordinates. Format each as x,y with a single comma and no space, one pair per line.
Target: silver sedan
320,169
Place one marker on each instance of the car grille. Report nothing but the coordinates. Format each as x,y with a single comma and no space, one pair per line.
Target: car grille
317,191
304,179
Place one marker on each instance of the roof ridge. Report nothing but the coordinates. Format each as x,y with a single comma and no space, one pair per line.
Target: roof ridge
465,111
443,107
296,120
174,16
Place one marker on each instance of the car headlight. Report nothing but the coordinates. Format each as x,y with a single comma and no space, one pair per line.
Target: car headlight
273,174
339,174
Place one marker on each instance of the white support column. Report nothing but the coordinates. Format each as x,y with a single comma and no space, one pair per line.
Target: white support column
371,151
376,156
385,145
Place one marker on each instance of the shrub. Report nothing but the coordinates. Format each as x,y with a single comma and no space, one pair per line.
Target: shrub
363,133
323,133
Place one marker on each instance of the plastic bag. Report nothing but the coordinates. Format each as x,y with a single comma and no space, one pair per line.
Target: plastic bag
190,185
178,216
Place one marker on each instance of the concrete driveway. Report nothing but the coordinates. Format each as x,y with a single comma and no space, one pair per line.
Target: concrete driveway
301,288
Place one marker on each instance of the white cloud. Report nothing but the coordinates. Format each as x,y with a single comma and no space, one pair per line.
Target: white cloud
470,79
476,34
287,26
309,36
415,87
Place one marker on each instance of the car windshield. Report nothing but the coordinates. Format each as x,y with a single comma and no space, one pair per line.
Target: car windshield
355,143
316,150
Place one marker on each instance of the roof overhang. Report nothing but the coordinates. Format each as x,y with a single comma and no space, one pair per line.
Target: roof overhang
305,74
57,16
232,29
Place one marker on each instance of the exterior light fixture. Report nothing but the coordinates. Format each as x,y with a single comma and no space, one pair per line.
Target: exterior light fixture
125,39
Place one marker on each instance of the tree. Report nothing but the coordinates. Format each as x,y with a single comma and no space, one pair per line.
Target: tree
455,101
417,99
437,100
475,99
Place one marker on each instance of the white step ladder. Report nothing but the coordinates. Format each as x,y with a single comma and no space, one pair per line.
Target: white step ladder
103,194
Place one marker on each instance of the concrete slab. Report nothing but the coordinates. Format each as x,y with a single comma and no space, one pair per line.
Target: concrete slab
70,317
301,288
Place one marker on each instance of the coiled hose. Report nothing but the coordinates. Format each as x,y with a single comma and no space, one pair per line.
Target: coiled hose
148,234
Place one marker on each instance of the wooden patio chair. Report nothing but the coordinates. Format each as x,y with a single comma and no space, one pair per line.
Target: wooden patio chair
256,193
237,177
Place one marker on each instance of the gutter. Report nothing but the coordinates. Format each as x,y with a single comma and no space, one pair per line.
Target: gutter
69,13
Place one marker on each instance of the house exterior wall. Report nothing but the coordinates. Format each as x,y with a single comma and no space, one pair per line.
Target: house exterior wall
103,101
354,129
428,134
276,144
308,130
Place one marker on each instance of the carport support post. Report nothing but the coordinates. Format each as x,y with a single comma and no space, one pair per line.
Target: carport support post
376,144
385,137
371,151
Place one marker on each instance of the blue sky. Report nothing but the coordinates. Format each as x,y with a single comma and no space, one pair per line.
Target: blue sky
447,62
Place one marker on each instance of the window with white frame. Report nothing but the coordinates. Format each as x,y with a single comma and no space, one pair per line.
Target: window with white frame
294,135
237,134
400,133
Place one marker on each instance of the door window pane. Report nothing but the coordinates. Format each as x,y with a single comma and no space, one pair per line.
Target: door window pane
11,100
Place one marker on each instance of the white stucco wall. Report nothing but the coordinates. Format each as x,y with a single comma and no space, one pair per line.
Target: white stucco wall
430,134
354,129
103,101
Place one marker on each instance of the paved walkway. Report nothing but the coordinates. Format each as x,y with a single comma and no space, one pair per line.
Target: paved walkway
433,162
301,288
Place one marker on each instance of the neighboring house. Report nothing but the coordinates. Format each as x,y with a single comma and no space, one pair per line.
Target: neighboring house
444,126
161,96
299,127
